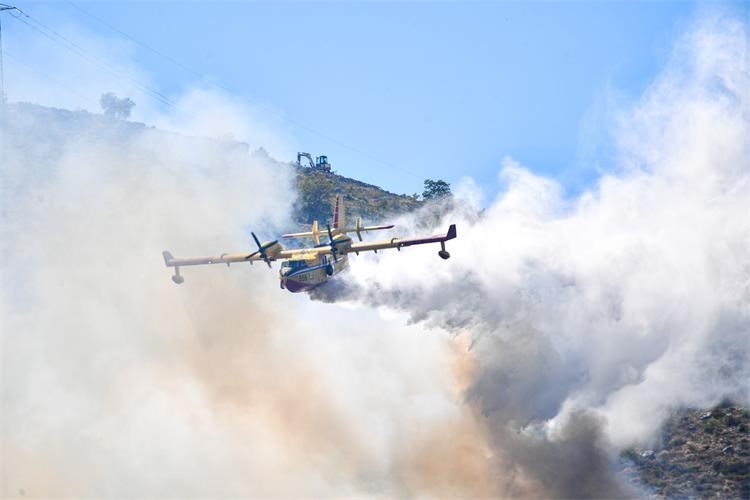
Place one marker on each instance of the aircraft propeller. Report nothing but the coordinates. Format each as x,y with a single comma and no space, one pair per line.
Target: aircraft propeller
334,250
262,250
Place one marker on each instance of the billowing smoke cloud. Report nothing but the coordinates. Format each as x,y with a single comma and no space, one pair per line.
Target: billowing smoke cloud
572,325
592,318
116,382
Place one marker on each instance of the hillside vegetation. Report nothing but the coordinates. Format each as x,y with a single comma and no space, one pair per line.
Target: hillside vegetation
317,189
51,130
702,454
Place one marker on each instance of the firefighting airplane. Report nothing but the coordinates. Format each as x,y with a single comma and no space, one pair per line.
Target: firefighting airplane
306,268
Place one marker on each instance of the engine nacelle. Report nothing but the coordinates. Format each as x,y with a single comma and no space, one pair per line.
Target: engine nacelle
273,249
343,243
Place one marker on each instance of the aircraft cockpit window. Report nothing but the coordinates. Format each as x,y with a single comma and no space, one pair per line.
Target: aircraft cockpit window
293,265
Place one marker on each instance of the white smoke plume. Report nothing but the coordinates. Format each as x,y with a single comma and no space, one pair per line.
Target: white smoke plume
115,382
593,318
573,325
118,383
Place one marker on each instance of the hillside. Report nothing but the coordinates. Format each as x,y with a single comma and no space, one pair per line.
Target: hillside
702,454
50,129
316,189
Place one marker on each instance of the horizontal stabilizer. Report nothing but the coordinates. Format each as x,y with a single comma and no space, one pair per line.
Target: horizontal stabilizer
367,228
298,235
364,229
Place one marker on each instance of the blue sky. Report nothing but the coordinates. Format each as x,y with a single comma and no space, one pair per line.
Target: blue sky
438,90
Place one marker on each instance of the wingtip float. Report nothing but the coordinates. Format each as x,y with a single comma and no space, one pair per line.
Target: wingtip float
306,268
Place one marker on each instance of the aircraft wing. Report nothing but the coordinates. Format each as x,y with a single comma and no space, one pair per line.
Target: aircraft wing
398,243
272,254
225,258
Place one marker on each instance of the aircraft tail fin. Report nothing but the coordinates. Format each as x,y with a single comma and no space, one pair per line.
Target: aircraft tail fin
339,216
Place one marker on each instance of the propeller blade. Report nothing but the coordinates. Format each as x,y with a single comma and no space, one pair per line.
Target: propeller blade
261,250
334,250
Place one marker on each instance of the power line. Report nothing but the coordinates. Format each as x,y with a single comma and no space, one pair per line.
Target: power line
67,44
45,75
61,40
142,44
3,7
226,89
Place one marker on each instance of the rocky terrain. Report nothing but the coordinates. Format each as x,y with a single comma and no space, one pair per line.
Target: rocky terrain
702,454
316,189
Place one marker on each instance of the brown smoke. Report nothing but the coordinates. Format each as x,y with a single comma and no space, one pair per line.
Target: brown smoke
119,383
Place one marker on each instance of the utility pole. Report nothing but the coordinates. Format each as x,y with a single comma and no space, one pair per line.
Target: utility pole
3,7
